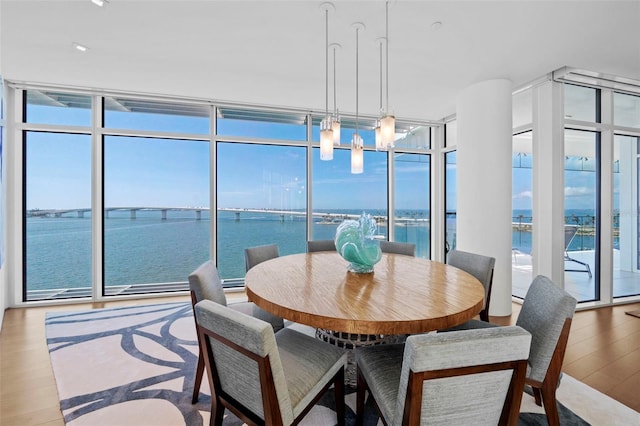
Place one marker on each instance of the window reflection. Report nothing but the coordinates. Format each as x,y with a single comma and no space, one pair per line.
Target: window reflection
261,195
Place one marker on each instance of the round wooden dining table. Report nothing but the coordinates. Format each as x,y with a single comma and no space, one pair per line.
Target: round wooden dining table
403,295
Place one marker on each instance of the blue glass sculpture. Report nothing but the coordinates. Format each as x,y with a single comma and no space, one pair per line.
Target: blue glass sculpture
356,244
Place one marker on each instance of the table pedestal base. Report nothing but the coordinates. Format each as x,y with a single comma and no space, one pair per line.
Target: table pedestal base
351,342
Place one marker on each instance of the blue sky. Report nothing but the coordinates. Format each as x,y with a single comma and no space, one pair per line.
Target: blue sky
168,173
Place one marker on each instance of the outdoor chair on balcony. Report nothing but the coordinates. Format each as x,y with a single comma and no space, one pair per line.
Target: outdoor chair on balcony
246,364
462,377
407,249
205,284
570,232
321,245
546,313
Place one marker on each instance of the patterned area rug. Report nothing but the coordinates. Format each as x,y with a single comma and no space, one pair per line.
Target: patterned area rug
135,366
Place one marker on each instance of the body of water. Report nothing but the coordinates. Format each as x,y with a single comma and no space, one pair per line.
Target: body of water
148,249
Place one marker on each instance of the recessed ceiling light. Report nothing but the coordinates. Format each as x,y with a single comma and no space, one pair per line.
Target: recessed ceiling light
80,47
99,2
436,25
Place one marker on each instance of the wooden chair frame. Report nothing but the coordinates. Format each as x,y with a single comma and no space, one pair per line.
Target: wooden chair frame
413,401
272,415
545,391
197,382
484,313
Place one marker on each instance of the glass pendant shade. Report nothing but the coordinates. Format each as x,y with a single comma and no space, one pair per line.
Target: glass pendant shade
335,127
380,146
326,140
388,130
357,154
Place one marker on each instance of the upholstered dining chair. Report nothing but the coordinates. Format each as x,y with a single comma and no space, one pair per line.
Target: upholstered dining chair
246,365
321,245
462,377
205,284
480,267
546,313
408,249
258,254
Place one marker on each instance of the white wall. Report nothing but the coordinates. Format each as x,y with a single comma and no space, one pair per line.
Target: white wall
3,212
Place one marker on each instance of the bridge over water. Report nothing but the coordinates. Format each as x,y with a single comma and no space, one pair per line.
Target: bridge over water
325,217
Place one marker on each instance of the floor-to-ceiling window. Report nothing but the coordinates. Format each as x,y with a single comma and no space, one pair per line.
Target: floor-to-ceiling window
57,195
450,192
175,188
156,212
261,197
581,213
626,196
57,235
522,216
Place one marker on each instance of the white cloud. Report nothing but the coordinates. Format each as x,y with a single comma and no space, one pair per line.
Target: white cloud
579,191
523,194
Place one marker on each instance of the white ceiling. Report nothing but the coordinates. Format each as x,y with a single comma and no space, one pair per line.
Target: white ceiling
272,52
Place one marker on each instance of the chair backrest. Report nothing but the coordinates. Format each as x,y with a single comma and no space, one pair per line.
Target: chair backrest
463,377
321,245
243,363
546,313
480,267
255,255
408,249
205,283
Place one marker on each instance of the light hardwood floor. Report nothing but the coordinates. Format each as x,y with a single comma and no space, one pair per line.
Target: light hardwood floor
603,351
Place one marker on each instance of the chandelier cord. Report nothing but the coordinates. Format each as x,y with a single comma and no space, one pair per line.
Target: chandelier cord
326,62
335,109
357,29
387,51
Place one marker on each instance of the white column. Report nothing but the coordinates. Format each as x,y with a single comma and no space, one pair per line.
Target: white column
484,174
548,182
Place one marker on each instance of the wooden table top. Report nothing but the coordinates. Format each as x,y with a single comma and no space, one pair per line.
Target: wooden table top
404,294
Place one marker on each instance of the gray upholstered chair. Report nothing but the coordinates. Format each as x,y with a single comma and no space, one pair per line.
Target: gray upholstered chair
462,377
408,249
546,313
256,255
246,368
321,245
480,267
205,284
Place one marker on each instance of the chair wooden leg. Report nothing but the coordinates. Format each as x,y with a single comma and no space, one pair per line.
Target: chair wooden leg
360,394
198,379
537,396
217,412
550,405
339,392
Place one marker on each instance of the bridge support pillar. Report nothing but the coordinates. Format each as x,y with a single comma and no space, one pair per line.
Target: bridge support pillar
237,216
164,215
281,217
198,214
80,214
133,214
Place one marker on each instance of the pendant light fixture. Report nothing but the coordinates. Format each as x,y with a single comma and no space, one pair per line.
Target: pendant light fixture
388,121
357,144
380,146
326,132
335,119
